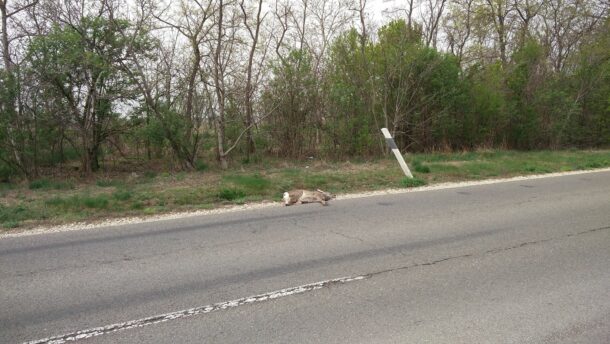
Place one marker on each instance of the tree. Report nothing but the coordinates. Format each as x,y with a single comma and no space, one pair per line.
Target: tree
14,130
80,67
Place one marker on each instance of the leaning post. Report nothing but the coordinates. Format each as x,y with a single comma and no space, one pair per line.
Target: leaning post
390,141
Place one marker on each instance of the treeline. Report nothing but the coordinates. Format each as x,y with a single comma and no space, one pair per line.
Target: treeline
201,80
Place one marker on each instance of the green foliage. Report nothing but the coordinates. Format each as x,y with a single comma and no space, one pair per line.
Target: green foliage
350,122
122,195
79,202
201,165
82,64
412,182
292,99
105,183
46,184
96,202
253,182
150,174
231,194
421,168
10,224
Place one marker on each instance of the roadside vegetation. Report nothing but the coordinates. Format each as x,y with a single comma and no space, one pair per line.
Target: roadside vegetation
114,108
115,194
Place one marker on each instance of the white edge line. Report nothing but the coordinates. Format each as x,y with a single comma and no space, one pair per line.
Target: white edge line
186,313
255,206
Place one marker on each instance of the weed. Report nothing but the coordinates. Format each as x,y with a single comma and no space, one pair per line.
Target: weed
180,176
251,182
201,166
152,210
231,194
150,174
419,167
78,202
315,181
10,224
412,182
291,172
96,202
122,195
105,183
45,184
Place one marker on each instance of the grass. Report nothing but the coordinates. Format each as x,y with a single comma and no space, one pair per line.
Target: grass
412,182
48,201
231,194
46,184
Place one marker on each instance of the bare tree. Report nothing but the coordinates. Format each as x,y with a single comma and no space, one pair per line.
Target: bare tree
194,23
566,22
254,33
499,12
431,20
458,27
11,107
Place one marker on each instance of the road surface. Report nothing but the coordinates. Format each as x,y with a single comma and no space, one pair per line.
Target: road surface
513,262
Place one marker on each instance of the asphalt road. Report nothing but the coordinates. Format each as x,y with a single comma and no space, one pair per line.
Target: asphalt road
513,262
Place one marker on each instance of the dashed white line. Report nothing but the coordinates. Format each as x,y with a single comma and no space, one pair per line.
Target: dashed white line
98,331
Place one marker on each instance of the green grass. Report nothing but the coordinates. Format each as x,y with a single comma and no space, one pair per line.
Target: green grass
421,168
79,202
106,183
122,195
50,201
231,194
412,182
253,182
10,224
46,184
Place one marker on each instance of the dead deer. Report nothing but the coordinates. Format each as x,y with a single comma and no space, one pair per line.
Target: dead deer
306,196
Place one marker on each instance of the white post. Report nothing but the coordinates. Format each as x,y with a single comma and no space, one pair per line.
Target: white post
390,141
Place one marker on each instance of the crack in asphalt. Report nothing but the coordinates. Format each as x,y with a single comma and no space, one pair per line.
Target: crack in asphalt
343,235
156,319
492,251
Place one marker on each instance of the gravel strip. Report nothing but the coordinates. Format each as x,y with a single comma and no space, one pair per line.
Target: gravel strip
262,205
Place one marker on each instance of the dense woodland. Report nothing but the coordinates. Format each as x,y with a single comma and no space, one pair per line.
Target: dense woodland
199,82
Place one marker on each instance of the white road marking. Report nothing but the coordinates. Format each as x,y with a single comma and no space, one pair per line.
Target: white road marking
98,331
